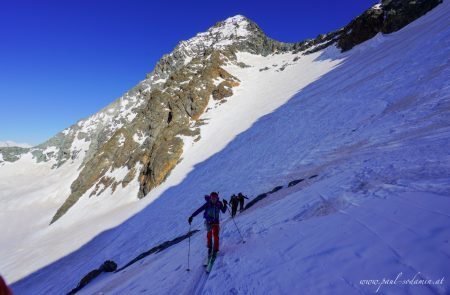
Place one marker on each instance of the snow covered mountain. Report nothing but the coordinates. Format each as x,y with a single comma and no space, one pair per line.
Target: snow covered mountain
10,143
232,110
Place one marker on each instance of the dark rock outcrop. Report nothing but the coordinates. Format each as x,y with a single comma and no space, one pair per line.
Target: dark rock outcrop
256,200
107,266
275,189
12,154
362,28
159,248
387,17
295,182
399,13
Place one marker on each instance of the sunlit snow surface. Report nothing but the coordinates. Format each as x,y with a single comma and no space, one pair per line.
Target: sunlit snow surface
373,124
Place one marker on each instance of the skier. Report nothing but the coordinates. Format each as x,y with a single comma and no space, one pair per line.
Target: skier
241,198
234,202
211,208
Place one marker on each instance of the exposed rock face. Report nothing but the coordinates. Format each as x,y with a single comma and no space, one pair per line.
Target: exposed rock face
184,82
12,154
171,101
400,13
362,28
139,136
387,17
108,266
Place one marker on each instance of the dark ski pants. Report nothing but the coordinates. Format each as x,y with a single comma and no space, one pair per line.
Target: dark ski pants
241,203
213,232
233,209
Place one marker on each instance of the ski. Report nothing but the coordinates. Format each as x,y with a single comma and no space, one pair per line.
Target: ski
205,263
210,263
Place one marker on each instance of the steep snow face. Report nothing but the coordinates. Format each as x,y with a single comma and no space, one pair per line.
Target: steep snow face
372,124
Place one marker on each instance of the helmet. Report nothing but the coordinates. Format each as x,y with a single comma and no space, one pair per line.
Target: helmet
214,195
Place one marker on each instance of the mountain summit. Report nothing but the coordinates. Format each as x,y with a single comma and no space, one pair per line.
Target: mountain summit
139,136
227,32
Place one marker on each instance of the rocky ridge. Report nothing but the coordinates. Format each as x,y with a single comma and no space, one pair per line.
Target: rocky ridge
139,136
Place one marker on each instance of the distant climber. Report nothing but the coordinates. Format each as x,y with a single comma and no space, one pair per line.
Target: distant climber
234,202
212,208
241,198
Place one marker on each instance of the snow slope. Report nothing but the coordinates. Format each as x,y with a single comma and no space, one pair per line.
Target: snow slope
372,123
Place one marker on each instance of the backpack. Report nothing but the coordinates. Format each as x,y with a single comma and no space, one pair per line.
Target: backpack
212,212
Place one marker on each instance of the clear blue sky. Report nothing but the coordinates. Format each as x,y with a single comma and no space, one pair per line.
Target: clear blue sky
63,60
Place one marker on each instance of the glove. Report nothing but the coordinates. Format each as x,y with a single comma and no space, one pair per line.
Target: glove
225,203
190,220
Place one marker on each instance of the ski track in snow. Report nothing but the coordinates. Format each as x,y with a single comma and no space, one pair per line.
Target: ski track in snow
372,123
198,287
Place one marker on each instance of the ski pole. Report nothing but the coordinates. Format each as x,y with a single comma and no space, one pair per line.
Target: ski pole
189,248
243,241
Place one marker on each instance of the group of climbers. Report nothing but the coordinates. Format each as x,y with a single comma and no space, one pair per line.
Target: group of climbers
211,211
235,201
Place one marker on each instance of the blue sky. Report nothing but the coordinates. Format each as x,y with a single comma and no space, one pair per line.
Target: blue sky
61,61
